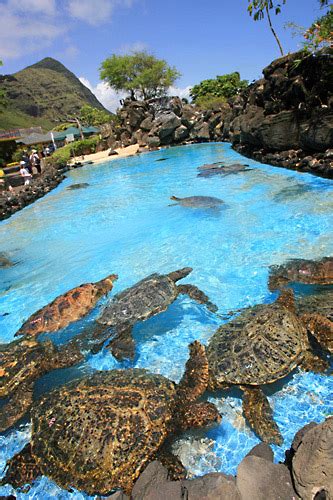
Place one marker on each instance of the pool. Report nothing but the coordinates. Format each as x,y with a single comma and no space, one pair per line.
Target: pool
123,223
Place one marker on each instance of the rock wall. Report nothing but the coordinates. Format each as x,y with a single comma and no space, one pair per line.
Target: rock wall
286,118
163,121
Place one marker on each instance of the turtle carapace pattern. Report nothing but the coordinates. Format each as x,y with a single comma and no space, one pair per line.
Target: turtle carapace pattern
311,272
100,432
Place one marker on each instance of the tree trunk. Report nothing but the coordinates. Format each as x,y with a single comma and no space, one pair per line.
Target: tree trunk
273,31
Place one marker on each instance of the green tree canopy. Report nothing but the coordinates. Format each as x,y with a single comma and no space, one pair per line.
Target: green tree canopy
141,74
93,116
223,87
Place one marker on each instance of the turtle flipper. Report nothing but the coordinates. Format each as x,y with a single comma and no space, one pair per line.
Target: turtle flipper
195,379
198,415
321,328
196,294
21,469
17,406
122,345
313,363
176,469
258,413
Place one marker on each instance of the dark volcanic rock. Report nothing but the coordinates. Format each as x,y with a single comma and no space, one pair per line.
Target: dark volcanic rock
153,484
262,450
259,479
214,486
312,464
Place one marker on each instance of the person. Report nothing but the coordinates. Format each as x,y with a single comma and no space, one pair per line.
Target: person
35,161
25,173
25,158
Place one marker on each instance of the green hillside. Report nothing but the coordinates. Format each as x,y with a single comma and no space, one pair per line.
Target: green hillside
45,94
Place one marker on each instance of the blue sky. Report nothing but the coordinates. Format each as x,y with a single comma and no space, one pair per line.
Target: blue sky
200,39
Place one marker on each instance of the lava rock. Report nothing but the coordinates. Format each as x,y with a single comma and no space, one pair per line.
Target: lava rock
153,484
262,450
213,486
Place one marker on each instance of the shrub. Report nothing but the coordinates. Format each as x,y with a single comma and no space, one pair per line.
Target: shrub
211,102
86,146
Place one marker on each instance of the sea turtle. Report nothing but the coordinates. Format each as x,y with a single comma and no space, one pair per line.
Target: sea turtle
80,185
263,344
312,272
5,261
223,170
22,362
198,201
146,298
98,433
66,308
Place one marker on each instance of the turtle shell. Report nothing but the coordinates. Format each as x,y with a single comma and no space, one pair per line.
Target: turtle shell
261,345
22,361
62,311
146,298
98,433
317,303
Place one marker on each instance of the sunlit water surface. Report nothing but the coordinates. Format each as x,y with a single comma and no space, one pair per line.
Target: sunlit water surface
122,223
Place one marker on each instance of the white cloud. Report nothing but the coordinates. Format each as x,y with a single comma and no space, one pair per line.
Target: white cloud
110,98
95,13
107,96
20,35
183,93
132,47
40,6
70,52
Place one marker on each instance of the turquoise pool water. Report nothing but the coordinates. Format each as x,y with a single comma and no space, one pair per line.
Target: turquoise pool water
122,223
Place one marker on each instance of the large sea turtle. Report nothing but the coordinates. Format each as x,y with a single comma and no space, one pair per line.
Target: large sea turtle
312,272
146,298
98,433
198,201
222,170
67,308
22,362
263,344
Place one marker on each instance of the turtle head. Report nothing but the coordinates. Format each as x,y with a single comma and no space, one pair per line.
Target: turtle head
106,284
179,274
174,198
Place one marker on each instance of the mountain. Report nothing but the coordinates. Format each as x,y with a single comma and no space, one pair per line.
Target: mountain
45,94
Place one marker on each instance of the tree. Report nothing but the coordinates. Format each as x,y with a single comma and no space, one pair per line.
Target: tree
141,74
259,7
93,116
223,87
320,32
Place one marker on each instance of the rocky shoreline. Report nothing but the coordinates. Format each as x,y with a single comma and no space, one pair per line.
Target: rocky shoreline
306,474
11,202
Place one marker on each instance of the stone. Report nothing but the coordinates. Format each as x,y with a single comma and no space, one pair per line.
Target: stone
259,479
153,141
262,450
153,484
181,133
200,132
118,495
213,486
147,123
112,152
166,123
312,464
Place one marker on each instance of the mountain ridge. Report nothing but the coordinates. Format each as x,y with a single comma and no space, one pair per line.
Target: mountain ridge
45,93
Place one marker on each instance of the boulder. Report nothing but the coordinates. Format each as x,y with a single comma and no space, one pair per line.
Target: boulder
213,486
181,133
153,484
200,132
312,464
147,123
262,450
153,141
259,479
165,124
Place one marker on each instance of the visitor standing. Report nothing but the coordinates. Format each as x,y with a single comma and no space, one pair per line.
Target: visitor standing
35,161
25,173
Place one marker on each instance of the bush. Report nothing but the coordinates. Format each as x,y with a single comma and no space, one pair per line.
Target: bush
211,102
86,146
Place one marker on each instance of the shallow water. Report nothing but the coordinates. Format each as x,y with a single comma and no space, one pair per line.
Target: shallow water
122,223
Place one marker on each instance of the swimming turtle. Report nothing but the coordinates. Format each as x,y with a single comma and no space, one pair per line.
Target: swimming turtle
66,308
80,185
263,344
5,262
98,433
312,272
223,170
22,362
146,298
198,201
